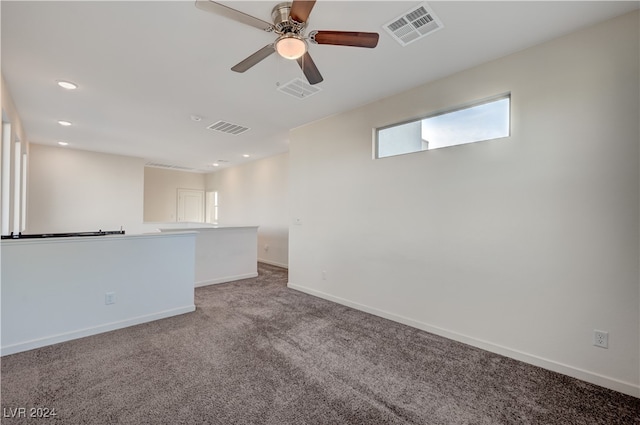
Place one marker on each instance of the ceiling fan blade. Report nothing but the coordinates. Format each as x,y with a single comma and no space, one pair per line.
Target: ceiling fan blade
345,38
300,10
236,15
254,58
309,69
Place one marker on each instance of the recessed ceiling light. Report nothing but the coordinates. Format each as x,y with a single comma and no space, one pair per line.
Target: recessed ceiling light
67,85
63,143
215,164
196,118
246,155
64,123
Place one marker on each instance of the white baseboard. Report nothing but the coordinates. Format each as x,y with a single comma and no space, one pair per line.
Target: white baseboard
584,375
225,279
68,336
273,263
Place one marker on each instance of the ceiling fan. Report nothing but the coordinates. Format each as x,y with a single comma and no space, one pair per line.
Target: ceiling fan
289,23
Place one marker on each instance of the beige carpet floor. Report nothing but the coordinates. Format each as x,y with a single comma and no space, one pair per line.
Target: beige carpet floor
256,352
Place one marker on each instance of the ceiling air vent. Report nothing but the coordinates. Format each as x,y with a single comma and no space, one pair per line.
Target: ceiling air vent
414,24
168,166
179,167
227,127
299,88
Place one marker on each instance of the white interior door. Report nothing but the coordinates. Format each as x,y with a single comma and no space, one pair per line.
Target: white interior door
190,205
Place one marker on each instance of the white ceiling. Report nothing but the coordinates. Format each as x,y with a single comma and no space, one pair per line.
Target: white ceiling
145,67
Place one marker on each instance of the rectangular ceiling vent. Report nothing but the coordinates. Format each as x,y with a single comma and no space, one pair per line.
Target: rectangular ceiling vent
414,24
228,128
168,166
299,88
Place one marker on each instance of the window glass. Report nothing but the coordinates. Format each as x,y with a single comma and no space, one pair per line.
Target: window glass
483,121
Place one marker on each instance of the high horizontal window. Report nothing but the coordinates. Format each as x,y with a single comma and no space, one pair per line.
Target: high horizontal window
486,120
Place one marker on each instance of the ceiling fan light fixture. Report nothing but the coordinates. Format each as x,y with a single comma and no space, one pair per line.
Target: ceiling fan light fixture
291,46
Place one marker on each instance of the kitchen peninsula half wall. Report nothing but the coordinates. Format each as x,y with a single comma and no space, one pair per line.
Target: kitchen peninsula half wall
59,289
223,253
56,289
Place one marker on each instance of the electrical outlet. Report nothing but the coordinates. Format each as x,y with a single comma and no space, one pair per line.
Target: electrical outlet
110,298
601,339
324,275
266,248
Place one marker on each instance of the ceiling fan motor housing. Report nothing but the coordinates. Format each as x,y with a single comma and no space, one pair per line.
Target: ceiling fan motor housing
282,22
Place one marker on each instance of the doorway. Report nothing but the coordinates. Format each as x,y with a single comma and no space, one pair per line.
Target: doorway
190,206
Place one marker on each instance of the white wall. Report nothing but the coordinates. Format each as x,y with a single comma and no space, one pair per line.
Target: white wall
161,191
256,194
522,246
73,190
223,254
63,298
